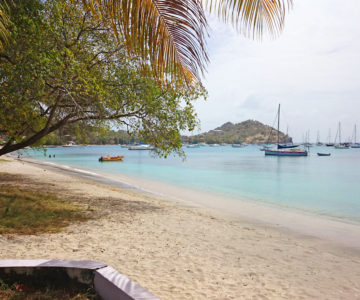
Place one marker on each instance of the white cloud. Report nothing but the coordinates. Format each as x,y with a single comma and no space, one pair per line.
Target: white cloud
312,69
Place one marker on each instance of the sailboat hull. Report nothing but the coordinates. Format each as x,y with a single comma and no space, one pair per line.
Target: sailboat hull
285,153
280,146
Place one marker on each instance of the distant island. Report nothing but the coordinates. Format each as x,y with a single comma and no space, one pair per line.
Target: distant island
250,132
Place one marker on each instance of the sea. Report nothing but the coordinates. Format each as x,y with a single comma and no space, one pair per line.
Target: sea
328,185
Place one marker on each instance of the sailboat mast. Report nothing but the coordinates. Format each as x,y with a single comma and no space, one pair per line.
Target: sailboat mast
278,139
355,135
339,133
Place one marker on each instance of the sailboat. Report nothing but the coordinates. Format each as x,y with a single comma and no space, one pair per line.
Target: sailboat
340,145
318,143
329,144
288,145
283,151
355,145
307,139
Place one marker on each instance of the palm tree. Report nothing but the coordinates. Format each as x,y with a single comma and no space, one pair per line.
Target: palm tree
170,34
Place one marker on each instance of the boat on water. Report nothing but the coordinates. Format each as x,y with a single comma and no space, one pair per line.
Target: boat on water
287,146
355,144
293,151
141,146
69,144
265,147
340,145
318,143
329,143
323,154
238,145
111,158
193,146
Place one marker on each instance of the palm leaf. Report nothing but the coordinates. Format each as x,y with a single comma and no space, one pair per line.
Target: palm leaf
252,17
4,21
170,34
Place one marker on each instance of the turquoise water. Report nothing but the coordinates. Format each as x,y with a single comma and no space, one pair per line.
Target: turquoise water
325,185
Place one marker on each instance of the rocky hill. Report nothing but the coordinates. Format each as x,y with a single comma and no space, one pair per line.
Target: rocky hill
250,131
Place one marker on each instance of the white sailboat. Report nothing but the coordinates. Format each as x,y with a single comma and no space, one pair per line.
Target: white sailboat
355,144
329,143
318,143
340,145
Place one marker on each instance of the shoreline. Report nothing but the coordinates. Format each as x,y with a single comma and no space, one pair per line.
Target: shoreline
343,231
181,251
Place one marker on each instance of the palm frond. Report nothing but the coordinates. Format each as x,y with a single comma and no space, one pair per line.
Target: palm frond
170,34
253,18
4,21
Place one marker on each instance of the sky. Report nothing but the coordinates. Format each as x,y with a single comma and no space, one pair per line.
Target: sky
312,69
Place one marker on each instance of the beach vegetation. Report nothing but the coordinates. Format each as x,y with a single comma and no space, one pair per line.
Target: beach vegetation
24,211
66,68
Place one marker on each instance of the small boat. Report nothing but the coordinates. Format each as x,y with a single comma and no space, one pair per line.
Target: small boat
297,152
69,144
111,158
324,154
238,145
141,146
195,145
266,147
287,146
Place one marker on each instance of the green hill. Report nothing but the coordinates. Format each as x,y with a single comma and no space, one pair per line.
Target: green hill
250,131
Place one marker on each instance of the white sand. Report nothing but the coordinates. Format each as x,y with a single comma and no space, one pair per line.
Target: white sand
179,251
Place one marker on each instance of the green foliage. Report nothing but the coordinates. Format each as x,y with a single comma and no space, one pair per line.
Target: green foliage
66,68
92,135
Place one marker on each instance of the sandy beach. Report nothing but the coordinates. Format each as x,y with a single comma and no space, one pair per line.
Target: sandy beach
177,250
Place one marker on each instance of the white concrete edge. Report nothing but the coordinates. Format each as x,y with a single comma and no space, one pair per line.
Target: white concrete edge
108,283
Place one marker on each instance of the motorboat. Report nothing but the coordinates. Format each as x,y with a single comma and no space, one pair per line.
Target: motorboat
111,158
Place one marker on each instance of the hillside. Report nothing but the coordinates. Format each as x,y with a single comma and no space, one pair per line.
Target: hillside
250,131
